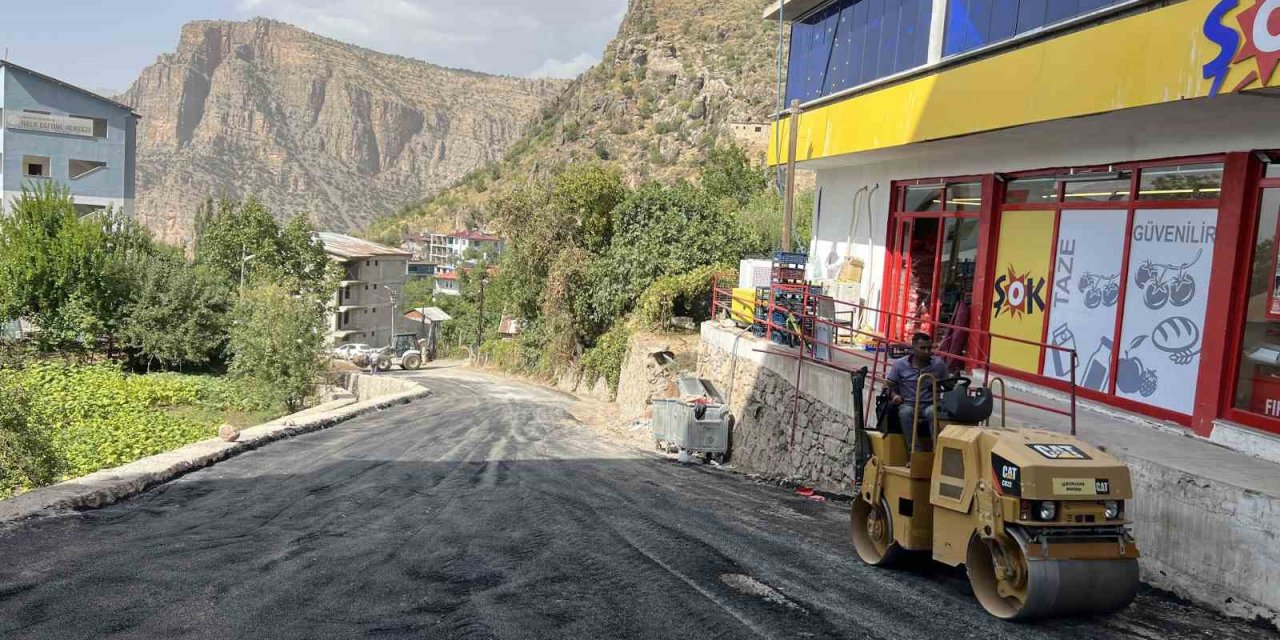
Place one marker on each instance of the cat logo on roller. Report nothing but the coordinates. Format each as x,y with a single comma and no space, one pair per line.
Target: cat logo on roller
1008,476
1059,451
1037,518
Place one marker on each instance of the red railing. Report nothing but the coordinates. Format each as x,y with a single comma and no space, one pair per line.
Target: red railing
881,346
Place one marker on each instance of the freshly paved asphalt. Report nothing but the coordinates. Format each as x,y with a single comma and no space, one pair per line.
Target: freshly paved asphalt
486,511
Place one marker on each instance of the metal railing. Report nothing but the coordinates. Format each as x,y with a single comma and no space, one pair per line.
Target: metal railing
879,348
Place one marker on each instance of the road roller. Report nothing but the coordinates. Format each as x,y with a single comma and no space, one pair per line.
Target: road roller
1037,518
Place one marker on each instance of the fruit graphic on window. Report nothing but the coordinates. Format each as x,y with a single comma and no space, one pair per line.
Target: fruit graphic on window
1163,284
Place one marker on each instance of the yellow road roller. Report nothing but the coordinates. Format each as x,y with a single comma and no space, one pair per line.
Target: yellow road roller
1037,518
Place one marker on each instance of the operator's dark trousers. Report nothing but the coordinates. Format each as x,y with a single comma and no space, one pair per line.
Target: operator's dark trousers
908,421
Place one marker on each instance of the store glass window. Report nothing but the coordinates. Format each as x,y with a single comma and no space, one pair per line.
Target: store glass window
1258,379
964,197
957,267
972,24
922,199
853,42
1113,187
1031,191
1182,182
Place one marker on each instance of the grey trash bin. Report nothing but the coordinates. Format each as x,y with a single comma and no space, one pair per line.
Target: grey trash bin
676,422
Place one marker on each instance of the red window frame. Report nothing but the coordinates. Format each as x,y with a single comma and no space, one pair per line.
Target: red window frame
1250,202
1131,206
1237,205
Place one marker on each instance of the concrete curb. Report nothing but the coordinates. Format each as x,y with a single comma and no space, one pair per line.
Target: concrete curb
109,486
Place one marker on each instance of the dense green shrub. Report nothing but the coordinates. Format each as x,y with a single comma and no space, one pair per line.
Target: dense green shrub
680,294
659,231
276,344
27,458
607,356
179,313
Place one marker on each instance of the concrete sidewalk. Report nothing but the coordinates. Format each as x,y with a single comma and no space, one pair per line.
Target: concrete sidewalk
1206,518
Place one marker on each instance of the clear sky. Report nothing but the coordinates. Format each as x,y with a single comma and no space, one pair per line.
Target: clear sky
103,44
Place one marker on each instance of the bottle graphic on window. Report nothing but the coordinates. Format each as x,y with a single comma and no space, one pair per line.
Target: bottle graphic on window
1097,372
1063,337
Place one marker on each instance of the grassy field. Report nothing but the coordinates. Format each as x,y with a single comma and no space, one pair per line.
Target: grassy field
60,421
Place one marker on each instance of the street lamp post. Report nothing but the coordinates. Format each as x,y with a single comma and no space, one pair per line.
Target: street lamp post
480,317
391,297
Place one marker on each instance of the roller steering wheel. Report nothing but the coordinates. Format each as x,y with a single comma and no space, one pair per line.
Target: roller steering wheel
947,384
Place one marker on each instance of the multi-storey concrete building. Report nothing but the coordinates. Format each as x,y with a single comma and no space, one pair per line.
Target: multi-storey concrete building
371,290
54,131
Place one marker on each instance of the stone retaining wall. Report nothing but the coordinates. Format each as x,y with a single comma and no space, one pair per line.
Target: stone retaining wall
807,440
369,386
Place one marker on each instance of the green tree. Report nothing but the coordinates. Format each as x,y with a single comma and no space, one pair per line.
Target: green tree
761,221
280,253
584,197
728,174
276,343
179,315
70,275
419,292
660,231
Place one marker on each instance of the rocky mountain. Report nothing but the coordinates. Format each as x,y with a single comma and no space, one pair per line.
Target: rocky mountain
680,77
311,125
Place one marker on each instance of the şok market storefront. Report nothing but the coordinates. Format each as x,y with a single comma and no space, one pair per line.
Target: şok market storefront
1125,264
1086,185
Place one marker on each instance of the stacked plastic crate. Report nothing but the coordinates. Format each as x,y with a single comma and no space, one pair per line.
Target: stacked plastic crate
787,291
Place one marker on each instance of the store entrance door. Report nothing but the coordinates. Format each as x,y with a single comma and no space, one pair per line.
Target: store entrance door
935,259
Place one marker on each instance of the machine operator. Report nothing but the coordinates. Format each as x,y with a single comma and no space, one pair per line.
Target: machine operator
903,374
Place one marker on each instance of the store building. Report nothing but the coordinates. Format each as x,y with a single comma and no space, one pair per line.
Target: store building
56,132
1098,175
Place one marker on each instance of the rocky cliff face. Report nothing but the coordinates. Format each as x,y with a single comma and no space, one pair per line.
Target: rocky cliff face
309,125
681,77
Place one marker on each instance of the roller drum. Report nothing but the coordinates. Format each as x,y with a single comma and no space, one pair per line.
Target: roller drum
1074,587
1011,587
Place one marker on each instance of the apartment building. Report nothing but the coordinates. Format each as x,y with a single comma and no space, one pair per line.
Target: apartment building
451,248
372,289
52,131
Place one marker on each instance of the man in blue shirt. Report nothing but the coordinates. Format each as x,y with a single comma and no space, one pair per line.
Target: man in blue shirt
903,374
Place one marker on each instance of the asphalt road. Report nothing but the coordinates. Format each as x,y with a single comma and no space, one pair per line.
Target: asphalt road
486,511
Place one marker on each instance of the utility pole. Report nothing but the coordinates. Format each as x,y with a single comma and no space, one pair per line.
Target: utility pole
788,204
480,317
391,338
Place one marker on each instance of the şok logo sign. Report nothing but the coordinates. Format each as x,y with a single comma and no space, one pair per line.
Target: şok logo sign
1018,294
1258,39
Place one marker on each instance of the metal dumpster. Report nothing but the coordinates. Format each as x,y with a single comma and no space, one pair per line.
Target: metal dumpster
675,422
696,422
